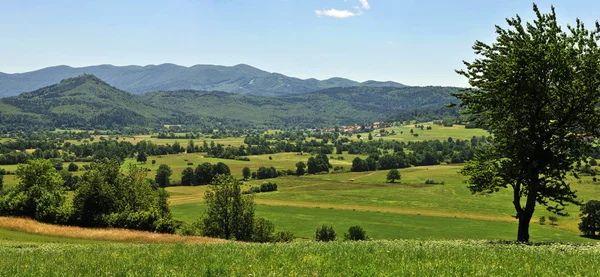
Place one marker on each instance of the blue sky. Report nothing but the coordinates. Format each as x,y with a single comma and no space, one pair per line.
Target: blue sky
416,42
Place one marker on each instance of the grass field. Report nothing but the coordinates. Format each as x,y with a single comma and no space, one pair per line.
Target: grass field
377,258
437,132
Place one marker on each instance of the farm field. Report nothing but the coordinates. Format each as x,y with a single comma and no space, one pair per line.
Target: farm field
409,209
436,132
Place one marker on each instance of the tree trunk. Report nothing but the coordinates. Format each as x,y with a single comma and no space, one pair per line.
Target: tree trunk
523,234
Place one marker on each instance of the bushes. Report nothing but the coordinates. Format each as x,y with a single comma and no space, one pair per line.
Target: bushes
356,233
325,234
432,182
267,186
262,230
284,236
73,167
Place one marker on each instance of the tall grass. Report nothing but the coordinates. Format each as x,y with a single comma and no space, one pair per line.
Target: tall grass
109,234
373,258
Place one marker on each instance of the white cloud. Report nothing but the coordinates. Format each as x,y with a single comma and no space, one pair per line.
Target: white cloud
335,13
365,4
345,13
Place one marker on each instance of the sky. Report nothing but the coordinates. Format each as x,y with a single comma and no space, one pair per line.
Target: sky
415,42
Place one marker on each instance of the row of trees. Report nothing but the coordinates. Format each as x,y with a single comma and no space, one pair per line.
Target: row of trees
105,197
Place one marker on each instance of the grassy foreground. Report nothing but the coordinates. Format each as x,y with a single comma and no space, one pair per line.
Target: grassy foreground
375,258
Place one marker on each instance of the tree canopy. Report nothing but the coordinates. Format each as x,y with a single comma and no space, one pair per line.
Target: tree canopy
536,87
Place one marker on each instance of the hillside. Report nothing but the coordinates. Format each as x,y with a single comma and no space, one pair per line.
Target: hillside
241,79
87,101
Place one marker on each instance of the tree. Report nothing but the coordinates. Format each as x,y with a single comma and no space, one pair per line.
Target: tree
190,146
359,165
393,175
590,218
1,181
246,173
141,157
73,167
300,168
106,197
221,168
204,174
370,137
39,195
536,88
162,175
229,214
187,177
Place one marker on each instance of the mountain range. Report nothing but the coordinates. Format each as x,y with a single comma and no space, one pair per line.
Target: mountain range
239,79
88,102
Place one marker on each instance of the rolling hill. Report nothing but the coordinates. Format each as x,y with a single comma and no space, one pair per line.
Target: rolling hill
87,101
241,79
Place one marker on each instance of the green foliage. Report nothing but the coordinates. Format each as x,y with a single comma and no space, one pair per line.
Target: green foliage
590,218
318,164
393,175
73,167
300,168
246,173
1,182
163,174
39,195
325,234
263,230
141,157
356,233
229,213
108,198
188,177
284,236
554,77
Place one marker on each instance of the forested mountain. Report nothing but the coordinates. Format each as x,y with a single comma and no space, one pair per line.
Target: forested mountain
87,101
241,79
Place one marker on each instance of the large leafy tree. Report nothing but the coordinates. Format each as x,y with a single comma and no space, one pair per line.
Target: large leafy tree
537,88
229,213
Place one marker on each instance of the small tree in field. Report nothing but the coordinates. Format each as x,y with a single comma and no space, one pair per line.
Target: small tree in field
187,177
325,234
162,175
356,233
536,88
141,157
246,173
590,218
393,175
229,213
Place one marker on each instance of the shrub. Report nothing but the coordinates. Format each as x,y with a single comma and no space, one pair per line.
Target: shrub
284,236
190,229
432,182
190,163
543,220
593,162
262,230
153,162
268,186
356,233
325,234
553,220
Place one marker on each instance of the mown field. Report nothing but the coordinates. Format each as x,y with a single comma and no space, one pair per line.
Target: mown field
375,258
